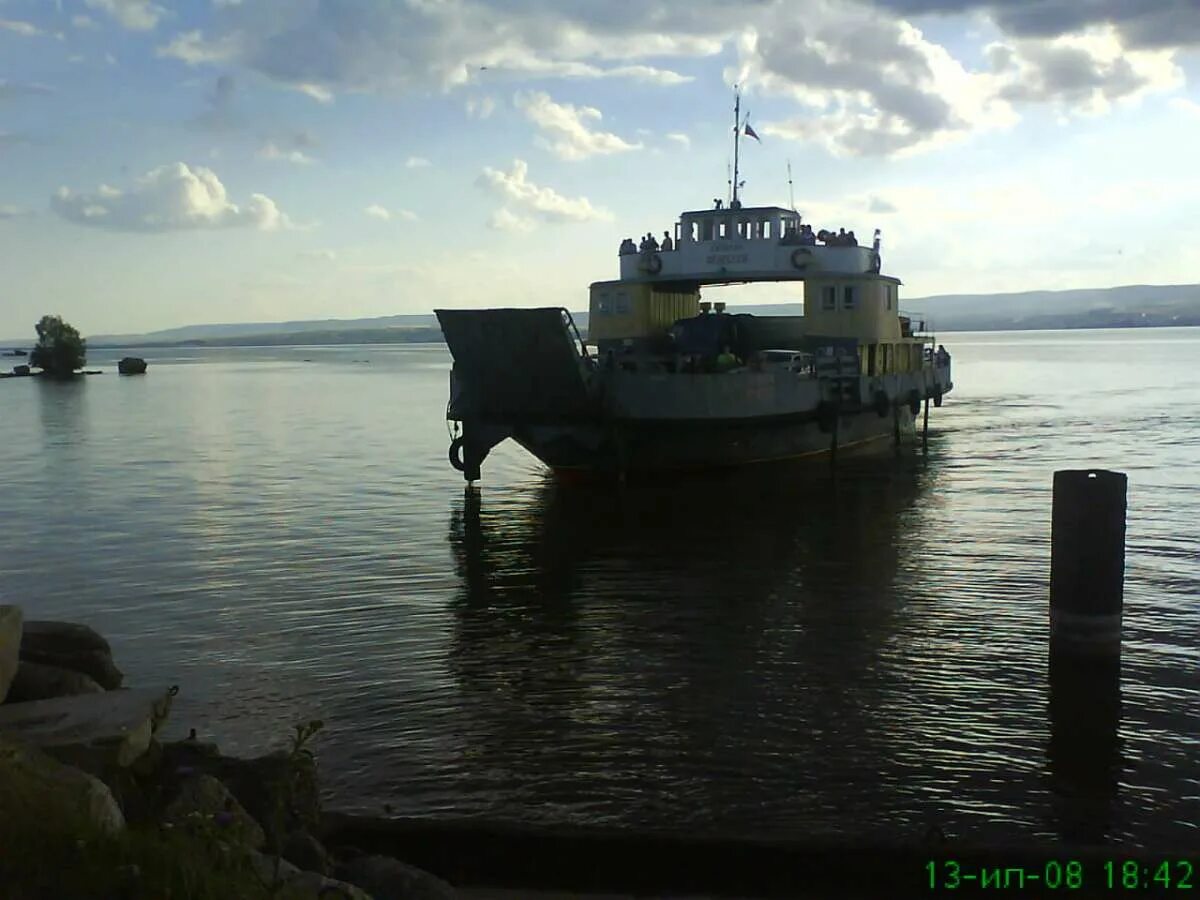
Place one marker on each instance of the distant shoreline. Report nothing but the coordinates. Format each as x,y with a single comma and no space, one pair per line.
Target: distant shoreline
434,336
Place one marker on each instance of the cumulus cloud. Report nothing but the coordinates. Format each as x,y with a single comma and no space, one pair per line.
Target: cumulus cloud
565,128
25,29
83,22
1084,72
136,15
384,214
505,219
515,186
417,162
1186,106
271,151
863,80
173,197
681,139
1141,23
192,48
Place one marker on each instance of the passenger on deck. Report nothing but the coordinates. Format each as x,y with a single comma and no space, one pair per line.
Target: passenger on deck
851,240
726,360
627,247
651,243
667,243
943,357
716,203
807,238
842,238
642,244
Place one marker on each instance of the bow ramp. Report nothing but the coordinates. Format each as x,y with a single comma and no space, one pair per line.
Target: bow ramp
516,364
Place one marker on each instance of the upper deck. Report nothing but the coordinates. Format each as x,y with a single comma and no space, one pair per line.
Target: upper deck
763,243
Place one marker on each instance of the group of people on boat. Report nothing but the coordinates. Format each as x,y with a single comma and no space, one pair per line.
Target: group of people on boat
648,244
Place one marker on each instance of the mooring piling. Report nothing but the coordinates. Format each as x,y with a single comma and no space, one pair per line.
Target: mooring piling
1087,567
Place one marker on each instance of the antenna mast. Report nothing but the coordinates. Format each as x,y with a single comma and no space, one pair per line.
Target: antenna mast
737,133
791,194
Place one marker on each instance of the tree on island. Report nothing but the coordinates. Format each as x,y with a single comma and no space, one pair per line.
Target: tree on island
60,350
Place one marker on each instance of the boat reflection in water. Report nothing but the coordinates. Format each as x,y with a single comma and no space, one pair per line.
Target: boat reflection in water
758,653
702,655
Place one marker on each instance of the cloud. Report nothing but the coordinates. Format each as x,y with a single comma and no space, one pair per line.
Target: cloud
880,206
173,197
13,212
547,203
1141,23
1080,73
83,22
191,47
417,162
383,213
481,108
136,15
25,29
565,128
504,219
270,151
12,89
682,139
316,91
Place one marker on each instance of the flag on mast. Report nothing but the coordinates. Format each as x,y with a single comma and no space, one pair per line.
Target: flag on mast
749,132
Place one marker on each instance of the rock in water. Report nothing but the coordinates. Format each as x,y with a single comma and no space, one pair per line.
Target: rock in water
32,779
385,878
131,365
205,797
70,645
10,645
36,681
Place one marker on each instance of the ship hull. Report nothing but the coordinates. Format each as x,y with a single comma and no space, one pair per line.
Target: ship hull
671,446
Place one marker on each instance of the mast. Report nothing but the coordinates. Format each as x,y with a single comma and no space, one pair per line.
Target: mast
737,133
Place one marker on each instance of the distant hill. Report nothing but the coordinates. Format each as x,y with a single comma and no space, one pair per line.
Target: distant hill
1117,307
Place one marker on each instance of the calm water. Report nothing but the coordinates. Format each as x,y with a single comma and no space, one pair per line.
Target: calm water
279,532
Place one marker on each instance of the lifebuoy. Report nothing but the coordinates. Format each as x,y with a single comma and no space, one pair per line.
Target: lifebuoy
881,403
914,402
455,454
826,416
801,258
654,264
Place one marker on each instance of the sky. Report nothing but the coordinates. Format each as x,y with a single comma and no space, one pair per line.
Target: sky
173,163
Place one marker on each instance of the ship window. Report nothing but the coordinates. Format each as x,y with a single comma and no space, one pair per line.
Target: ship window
829,298
889,290
767,229
849,297
622,305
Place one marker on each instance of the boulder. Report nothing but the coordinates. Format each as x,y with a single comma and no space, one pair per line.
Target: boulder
36,681
10,645
34,781
385,878
92,731
21,370
305,851
203,800
269,787
131,365
70,645
318,887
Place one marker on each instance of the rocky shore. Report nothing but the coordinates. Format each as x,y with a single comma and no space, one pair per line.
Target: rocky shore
86,785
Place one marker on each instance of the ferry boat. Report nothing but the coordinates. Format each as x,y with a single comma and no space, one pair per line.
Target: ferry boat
665,381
